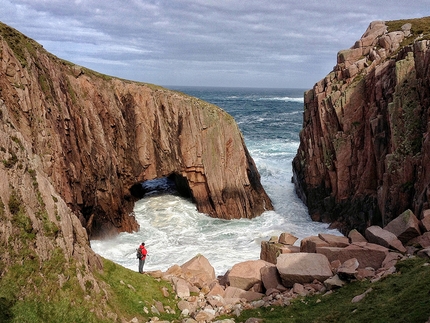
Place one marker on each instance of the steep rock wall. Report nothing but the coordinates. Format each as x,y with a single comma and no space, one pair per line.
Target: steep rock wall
364,148
95,138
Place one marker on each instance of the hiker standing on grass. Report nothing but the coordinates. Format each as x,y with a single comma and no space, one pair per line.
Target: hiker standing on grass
141,255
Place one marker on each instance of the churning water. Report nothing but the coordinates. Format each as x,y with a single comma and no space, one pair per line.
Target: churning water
171,227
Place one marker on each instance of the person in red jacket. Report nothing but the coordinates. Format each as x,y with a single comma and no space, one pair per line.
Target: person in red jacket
141,255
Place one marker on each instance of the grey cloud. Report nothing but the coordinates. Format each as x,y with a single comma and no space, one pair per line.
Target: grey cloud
194,42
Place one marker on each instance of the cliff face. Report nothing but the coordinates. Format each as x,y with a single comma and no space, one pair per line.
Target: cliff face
94,139
364,154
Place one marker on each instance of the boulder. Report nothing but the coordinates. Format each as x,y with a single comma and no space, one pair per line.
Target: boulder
348,269
425,221
334,241
303,268
246,274
367,254
181,287
405,227
270,251
423,240
287,238
216,290
270,277
238,293
355,236
424,253
376,234
310,244
198,271
334,282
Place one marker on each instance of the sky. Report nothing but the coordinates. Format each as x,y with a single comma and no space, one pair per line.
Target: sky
241,43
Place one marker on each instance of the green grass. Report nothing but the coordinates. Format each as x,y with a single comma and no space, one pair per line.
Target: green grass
30,292
146,292
420,26
402,297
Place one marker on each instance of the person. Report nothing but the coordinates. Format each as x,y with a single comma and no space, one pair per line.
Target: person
141,255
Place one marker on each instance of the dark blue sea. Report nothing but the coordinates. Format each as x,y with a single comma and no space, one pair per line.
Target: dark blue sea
173,230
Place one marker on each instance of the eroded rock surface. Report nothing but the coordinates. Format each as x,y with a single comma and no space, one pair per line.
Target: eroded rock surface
364,149
96,138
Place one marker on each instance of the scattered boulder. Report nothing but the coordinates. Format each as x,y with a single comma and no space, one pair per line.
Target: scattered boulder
424,253
355,236
422,241
181,287
405,227
287,238
425,221
384,238
199,271
310,244
246,274
334,241
270,277
303,268
333,282
367,254
348,269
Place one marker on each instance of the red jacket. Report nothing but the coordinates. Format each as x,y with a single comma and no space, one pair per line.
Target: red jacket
144,251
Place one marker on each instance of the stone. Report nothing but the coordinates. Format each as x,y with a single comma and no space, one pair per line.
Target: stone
425,221
299,289
360,297
348,269
303,268
198,271
204,316
376,234
310,244
181,287
355,236
334,241
405,227
245,274
423,240
287,238
424,253
270,277
238,293
368,255
216,290
391,259
334,282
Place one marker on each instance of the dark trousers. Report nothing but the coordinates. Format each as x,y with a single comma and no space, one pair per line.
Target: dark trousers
141,263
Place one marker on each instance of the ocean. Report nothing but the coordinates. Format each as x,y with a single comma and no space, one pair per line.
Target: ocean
173,230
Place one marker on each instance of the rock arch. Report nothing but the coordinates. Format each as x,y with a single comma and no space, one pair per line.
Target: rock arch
97,136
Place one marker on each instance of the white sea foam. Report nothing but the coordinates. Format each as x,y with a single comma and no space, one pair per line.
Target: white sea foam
174,231
285,99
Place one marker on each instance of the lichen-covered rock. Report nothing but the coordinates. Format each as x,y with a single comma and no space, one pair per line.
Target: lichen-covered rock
364,148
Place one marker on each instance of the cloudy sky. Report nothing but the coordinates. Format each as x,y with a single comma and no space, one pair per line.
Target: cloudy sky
245,43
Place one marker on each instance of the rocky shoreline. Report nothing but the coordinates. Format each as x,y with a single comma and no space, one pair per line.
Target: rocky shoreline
284,271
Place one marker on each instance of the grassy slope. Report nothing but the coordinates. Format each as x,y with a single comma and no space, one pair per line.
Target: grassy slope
402,297
128,294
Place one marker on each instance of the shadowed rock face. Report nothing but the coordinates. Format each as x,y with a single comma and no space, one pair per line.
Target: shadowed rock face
96,138
364,151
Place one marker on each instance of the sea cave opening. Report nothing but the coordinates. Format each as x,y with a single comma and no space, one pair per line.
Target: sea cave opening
174,184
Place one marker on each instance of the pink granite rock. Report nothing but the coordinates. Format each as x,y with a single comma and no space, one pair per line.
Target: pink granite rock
406,226
376,234
303,268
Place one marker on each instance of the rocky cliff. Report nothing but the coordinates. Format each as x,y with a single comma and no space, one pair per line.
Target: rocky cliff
364,154
93,139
